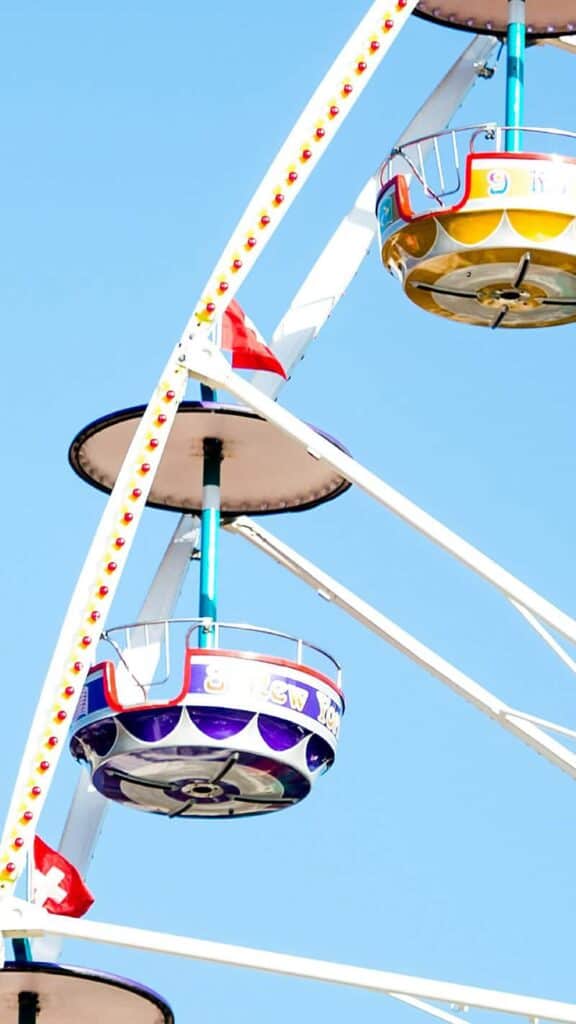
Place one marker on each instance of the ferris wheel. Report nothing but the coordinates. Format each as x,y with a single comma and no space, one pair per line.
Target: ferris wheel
476,225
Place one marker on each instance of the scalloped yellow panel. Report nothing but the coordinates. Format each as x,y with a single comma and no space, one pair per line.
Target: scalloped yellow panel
471,228
418,238
538,225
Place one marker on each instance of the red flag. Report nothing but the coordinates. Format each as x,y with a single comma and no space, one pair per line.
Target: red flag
241,338
57,885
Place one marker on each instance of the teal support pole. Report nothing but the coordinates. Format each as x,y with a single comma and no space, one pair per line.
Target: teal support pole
516,48
210,530
22,950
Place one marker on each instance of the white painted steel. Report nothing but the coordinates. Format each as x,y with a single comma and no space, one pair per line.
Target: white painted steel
19,920
545,635
88,807
316,111
562,730
463,685
206,363
349,245
77,622
433,1011
315,114
309,311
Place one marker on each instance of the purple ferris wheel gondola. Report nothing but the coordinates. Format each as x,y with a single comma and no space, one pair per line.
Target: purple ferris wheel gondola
249,730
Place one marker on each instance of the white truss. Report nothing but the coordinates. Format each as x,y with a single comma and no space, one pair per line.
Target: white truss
19,920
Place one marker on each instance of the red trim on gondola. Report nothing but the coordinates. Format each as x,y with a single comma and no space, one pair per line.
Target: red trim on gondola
402,190
111,694
106,668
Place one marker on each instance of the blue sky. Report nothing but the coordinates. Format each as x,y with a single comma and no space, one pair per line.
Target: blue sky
133,136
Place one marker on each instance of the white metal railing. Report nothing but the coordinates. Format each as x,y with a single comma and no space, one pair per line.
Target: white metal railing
437,162
137,637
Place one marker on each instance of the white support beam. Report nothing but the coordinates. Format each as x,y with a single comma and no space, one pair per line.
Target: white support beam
433,1011
85,619
349,245
18,919
208,364
545,635
315,129
88,807
525,728
308,140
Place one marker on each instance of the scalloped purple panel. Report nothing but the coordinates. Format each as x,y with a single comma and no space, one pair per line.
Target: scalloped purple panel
319,754
219,723
278,734
151,725
99,737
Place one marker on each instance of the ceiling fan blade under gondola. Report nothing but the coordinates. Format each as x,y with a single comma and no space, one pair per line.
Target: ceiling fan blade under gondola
523,268
265,800
436,290
225,768
182,810
499,318
149,783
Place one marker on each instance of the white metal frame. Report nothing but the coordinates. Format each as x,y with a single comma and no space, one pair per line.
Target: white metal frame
307,314
196,354
526,727
342,257
207,364
19,919
315,129
88,808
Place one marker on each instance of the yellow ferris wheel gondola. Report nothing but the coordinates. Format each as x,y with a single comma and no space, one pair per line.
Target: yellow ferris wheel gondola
482,235
478,226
